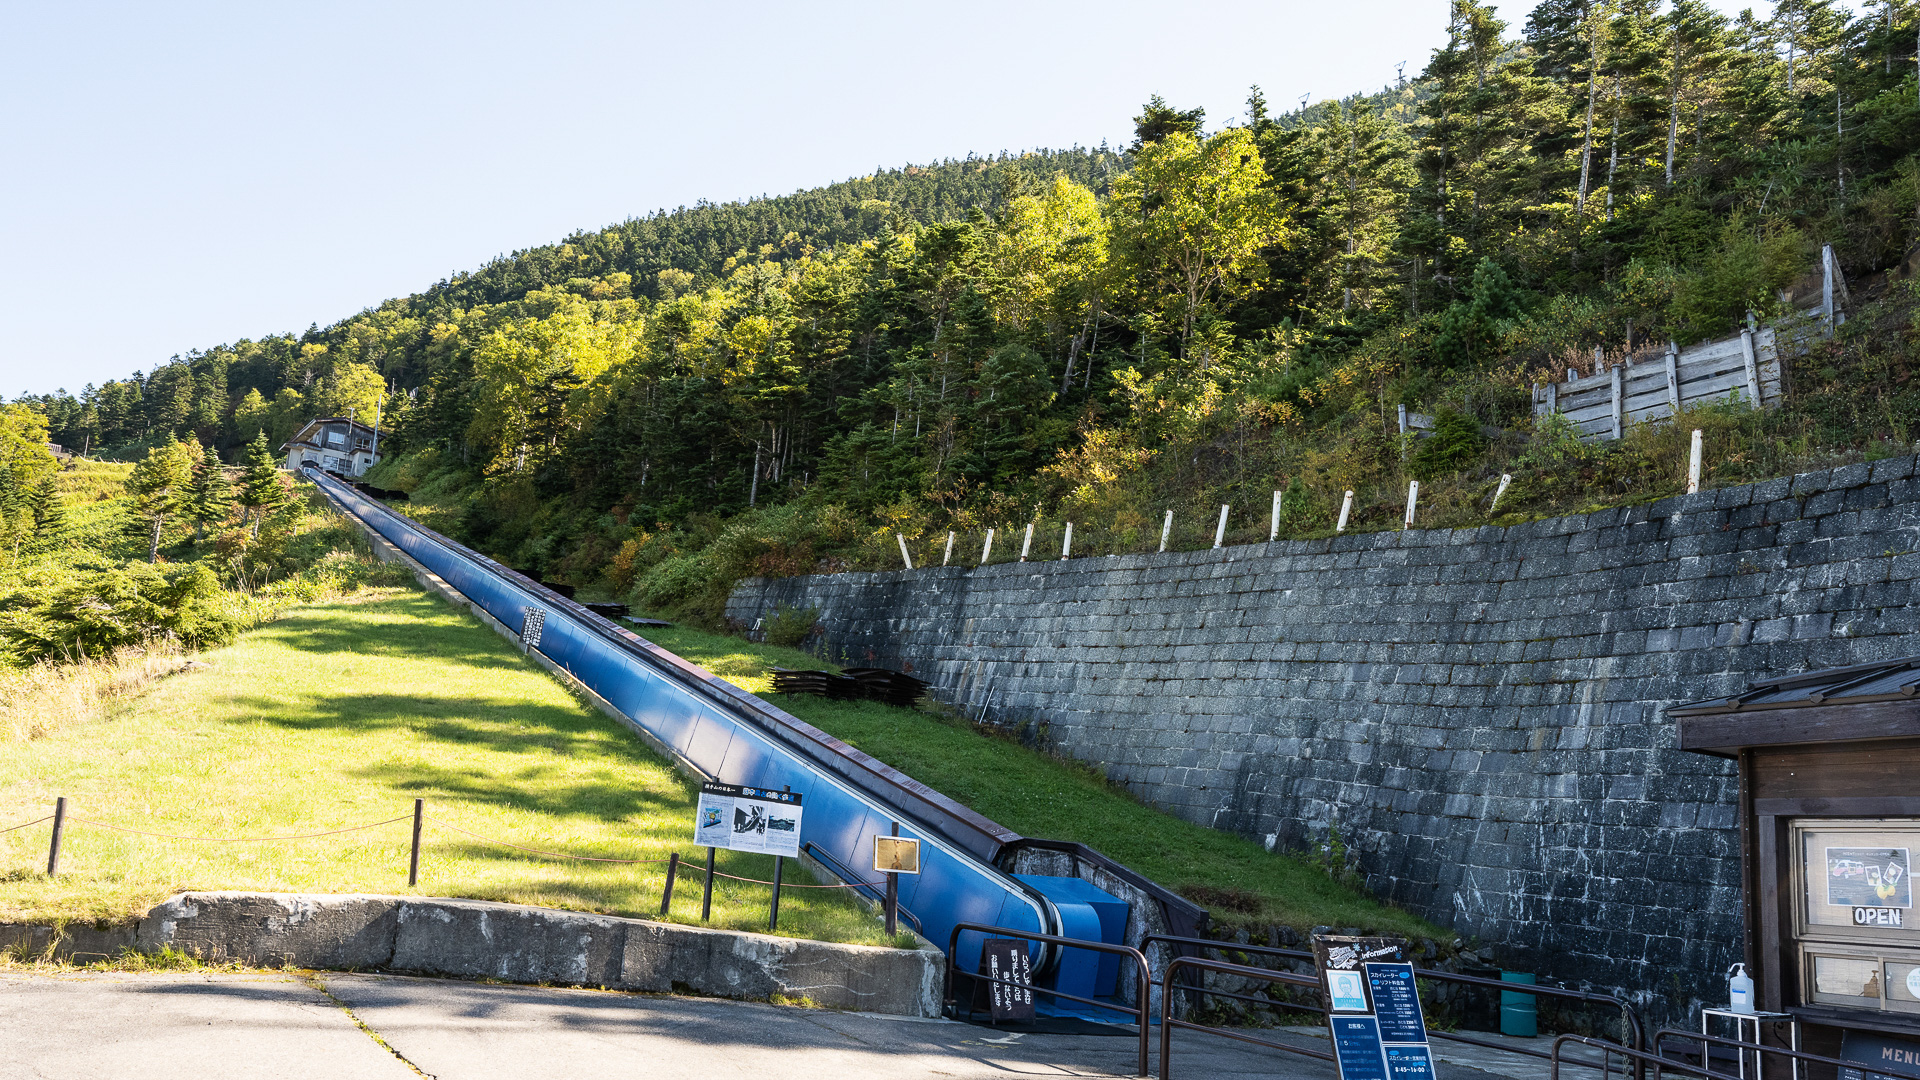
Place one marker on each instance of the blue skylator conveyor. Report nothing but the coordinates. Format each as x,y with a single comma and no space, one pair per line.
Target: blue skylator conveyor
734,737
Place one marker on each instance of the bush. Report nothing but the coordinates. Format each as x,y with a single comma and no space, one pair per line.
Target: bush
1455,444
791,626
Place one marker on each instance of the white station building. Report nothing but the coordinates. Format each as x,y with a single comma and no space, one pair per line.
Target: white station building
335,443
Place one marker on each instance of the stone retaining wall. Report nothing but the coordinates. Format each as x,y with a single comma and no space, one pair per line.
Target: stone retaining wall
473,939
1477,712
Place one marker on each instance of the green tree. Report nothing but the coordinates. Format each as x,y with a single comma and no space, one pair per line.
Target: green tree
161,486
261,489
212,497
1190,221
49,510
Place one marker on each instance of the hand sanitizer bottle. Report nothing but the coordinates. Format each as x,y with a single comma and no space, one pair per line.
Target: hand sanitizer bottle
1740,990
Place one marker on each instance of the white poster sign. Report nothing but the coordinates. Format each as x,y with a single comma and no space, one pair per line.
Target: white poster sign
747,819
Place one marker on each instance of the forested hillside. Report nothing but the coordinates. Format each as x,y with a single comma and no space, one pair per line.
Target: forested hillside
1219,311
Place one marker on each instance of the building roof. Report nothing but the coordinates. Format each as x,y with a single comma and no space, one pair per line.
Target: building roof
1861,701
1886,680
299,437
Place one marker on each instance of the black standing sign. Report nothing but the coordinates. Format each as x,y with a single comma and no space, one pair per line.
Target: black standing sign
1010,995
1373,1009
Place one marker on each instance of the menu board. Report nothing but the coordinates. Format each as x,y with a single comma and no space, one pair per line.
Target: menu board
1373,1006
1859,876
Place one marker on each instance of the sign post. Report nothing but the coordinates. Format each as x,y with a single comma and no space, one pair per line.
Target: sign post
1373,1008
893,856
742,818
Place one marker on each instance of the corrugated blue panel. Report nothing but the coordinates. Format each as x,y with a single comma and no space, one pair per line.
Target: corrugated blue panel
952,886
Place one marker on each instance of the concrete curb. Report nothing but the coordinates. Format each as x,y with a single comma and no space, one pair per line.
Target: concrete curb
510,942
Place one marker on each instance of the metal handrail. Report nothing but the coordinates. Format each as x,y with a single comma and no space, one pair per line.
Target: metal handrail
1168,1021
1741,1047
1139,967
1661,1063
1635,1030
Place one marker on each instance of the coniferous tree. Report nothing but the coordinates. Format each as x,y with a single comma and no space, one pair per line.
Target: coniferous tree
161,486
212,500
261,490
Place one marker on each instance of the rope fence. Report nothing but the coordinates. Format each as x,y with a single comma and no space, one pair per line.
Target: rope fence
675,864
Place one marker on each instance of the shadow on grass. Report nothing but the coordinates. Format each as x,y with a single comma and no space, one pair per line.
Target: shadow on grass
412,626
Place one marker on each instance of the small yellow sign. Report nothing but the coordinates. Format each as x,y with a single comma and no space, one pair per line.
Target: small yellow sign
896,855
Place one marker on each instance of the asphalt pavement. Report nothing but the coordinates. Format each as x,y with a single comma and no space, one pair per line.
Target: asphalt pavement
345,1027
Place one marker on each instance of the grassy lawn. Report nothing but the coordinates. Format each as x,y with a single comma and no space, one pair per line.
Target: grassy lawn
340,714
1030,792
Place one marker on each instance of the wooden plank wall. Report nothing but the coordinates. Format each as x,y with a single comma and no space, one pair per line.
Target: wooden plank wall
1650,387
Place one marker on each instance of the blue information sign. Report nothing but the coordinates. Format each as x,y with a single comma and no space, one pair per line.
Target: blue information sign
1409,1063
1396,1003
1356,1045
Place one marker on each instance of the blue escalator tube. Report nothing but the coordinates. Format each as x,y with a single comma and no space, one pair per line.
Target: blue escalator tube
721,739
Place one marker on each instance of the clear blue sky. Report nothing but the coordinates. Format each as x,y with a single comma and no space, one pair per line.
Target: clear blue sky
181,175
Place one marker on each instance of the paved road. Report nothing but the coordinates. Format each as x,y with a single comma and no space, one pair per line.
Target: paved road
348,1027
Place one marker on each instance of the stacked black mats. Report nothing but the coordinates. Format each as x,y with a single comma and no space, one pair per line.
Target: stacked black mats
854,684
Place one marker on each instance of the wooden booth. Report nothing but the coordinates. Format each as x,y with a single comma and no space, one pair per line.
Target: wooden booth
1829,831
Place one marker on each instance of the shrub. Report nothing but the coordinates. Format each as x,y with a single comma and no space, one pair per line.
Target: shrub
791,626
1455,444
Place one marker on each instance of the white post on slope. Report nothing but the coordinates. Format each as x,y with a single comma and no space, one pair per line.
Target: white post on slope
1066,544
1693,465
1166,530
948,557
1220,534
1505,479
1026,546
1413,496
1346,507
1273,530
904,557
987,548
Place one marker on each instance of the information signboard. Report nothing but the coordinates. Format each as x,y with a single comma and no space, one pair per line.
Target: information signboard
1373,1009
1007,959
747,819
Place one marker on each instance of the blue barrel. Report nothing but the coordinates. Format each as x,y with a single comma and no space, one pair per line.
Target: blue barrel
1518,1015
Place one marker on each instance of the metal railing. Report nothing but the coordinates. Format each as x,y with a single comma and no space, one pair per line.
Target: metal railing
1199,964
1139,1013
1663,1064
1635,1031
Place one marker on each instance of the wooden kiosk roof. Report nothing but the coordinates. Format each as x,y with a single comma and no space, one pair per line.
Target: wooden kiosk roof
1864,701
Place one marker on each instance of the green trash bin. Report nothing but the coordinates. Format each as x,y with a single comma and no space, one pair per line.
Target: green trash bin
1518,1016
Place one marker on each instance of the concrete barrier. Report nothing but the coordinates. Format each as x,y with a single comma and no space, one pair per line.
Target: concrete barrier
510,942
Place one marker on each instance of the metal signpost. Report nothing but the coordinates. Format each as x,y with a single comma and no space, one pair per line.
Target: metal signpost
741,818
1373,1009
894,856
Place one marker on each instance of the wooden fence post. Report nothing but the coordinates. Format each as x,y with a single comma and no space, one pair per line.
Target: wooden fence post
1505,479
1753,367
1066,544
948,557
1273,531
1346,507
413,860
1413,496
1026,546
1166,530
1220,533
59,830
904,557
986,549
1619,402
1673,378
666,895
1693,465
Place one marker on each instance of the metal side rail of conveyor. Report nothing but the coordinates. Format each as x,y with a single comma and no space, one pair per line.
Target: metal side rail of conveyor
733,737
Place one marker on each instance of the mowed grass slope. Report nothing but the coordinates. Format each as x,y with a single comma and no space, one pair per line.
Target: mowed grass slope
339,715
1239,881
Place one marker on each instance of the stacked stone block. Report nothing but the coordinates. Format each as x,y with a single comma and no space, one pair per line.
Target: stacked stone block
1476,712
